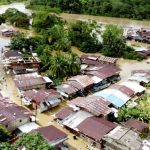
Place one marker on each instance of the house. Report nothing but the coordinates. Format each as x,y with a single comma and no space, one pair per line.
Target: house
93,129
31,81
140,76
122,88
143,52
14,60
73,120
103,75
137,125
12,54
63,114
52,135
83,80
138,89
97,60
8,33
42,100
121,138
12,115
115,97
66,90
97,106
19,70
77,85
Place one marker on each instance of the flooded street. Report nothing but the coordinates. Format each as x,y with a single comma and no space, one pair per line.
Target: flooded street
127,66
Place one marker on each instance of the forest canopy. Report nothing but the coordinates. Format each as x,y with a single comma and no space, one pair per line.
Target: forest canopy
135,9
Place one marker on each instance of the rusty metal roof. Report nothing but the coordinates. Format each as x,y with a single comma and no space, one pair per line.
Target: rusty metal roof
123,89
64,113
84,80
51,133
95,128
136,124
93,104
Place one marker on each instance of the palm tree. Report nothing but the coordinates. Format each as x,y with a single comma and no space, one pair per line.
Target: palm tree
73,63
58,67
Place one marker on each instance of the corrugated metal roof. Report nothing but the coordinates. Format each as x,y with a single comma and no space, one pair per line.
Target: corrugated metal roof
124,89
51,133
84,80
107,59
133,86
64,113
66,88
74,120
136,124
94,104
112,98
95,128
29,80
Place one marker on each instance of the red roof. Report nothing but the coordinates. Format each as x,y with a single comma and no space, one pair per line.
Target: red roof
64,113
84,80
51,133
29,80
10,111
95,128
94,104
123,89
104,72
138,125
66,88
43,94
29,94
12,53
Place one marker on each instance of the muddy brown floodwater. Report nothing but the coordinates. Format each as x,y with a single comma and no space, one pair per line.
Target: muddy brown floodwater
9,89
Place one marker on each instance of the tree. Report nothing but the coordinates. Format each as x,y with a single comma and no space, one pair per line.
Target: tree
59,38
7,146
33,141
58,67
20,42
4,134
73,64
16,18
63,65
114,44
113,41
82,33
44,20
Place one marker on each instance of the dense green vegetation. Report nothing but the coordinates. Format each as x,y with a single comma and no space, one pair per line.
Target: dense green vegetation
114,43
84,36
56,65
33,141
30,141
15,18
2,2
4,134
136,9
141,111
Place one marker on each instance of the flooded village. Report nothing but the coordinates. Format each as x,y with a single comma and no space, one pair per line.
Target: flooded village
82,112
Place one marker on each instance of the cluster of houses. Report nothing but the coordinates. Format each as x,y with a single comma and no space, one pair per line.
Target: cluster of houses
140,35
94,101
15,63
18,120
